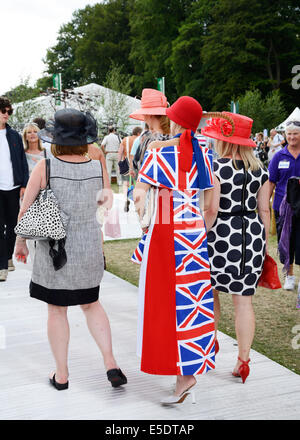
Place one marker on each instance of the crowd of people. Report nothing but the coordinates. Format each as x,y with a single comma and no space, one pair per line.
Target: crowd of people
203,200
266,147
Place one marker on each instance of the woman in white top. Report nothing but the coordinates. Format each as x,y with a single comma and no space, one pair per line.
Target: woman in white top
34,152
33,146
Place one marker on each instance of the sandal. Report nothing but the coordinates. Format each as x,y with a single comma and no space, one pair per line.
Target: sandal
116,377
58,386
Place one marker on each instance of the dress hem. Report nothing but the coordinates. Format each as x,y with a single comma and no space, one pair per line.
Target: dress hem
64,297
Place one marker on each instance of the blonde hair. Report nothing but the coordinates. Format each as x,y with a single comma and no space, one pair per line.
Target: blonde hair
164,123
59,150
228,149
25,142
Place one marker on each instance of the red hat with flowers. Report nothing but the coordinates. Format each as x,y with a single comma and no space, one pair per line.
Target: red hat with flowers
237,131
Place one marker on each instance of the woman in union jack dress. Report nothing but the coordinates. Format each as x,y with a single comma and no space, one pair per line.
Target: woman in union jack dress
176,318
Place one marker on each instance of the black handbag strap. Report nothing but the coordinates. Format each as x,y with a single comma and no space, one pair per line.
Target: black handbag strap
47,173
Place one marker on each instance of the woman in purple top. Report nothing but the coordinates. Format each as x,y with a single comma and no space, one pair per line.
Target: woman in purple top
286,164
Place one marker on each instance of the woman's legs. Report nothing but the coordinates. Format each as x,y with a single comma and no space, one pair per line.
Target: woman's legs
217,310
244,325
99,328
59,335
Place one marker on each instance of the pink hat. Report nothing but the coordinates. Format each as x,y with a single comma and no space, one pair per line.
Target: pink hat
239,133
153,102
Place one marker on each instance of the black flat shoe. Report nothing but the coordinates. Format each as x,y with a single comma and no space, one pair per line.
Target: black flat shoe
58,386
116,377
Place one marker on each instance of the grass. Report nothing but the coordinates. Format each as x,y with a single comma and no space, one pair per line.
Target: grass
275,310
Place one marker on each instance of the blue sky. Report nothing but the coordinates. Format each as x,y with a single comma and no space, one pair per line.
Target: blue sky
28,29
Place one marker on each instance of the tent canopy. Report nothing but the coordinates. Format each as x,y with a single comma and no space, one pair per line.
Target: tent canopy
294,116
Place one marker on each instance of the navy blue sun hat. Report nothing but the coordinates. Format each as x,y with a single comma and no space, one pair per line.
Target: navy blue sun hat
70,127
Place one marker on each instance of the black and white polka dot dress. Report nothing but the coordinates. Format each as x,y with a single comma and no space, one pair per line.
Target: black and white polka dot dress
236,242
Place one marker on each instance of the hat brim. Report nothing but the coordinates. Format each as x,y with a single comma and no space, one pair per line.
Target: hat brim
48,136
206,131
155,111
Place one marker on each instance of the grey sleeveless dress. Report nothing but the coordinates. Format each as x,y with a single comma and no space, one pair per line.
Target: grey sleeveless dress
75,186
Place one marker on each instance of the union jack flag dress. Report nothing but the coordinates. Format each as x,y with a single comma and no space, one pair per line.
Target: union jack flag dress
176,319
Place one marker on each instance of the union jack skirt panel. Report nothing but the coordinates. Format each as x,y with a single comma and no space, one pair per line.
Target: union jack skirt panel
178,318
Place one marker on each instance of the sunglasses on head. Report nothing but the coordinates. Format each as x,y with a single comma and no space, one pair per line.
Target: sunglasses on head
4,110
297,123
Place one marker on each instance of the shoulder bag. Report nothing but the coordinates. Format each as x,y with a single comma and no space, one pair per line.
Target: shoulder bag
43,220
124,164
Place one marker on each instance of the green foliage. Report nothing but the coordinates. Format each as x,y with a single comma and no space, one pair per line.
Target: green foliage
87,45
210,49
22,92
266,112
114,105
154,25
251,47
25,112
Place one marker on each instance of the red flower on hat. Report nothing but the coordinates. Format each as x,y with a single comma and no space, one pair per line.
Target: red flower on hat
222,126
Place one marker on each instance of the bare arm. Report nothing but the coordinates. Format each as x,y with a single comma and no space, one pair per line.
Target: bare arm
271,187
121,150
36,181
139,197
106,196
211,204
263,207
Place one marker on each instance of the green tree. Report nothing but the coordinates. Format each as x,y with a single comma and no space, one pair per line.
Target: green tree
61,58
266,112
188,70
22,92
86,46
248,47
106,39
114,101
154,25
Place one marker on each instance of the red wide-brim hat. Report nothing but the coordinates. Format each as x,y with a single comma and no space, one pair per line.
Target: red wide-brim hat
153,102
218,128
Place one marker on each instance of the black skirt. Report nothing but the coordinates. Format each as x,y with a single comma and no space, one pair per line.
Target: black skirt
64,297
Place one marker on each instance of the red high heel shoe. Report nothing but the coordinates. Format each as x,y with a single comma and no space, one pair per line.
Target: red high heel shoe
217,347
243,370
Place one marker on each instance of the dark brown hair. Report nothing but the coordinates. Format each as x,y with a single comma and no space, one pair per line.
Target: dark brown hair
59,150
5,102
40,122
136,131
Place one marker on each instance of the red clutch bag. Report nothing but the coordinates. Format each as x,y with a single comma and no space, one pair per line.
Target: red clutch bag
269,277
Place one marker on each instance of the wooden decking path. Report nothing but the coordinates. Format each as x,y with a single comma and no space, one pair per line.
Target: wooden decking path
271,391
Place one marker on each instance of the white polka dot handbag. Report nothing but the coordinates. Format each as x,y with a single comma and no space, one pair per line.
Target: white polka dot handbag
43,220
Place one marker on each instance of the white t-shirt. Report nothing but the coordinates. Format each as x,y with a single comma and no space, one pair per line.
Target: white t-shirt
6,170
273,150
111,143
278,138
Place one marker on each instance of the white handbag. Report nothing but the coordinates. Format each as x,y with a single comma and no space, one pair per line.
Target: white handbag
43,220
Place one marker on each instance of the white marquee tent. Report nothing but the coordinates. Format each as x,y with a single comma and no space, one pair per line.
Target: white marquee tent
102,100
294,116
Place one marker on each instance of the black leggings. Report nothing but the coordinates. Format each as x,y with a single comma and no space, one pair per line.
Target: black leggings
9,210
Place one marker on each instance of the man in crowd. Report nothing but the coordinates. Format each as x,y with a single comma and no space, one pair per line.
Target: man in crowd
13,180
286,164
110,145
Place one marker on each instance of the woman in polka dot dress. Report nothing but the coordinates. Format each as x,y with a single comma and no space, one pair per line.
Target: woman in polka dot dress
238,223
